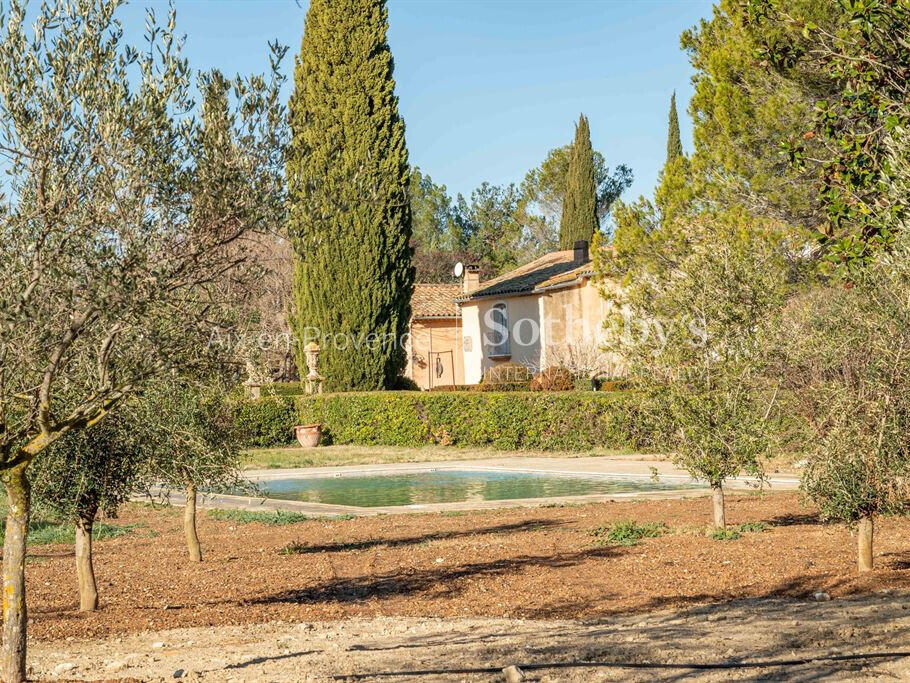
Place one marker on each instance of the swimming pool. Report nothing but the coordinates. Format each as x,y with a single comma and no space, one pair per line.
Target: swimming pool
453,486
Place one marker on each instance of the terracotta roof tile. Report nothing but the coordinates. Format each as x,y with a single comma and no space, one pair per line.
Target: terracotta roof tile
584,270
524,279
435,301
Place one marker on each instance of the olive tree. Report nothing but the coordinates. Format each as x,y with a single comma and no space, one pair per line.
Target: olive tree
689,320
92,471
195,445
108,277
846,354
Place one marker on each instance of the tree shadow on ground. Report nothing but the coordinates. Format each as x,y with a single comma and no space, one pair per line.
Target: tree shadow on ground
528,525
409,582
780,638
797,519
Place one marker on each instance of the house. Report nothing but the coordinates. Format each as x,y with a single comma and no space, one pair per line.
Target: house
434,340
547,312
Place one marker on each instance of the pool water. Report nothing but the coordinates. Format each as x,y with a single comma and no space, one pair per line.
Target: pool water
450,486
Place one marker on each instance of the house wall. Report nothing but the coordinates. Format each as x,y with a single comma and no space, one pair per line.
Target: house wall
574,329
524,322
435,355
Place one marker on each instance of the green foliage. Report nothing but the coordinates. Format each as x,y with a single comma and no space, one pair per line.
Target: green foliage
268,517
508,421
846,352
543,192
628,532
706,297
674,142
516,375
855,121
94,470
265,422
193,436
123,284
734,533
554,378
62,533
745,115
579,209
348,178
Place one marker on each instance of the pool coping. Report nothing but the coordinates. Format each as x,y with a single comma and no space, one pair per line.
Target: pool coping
598,467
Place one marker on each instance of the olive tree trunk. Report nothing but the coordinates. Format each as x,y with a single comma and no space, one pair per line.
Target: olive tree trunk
720,514
85,571
189,524
864,534
15,617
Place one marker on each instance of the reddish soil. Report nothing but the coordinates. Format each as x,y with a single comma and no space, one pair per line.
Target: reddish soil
530,563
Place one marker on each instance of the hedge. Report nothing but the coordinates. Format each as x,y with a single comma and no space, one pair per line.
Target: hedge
570,420
265,422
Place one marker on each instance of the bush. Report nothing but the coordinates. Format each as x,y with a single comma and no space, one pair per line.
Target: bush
283,389
554,378
515,376
628,533
505,420
403,383
265,422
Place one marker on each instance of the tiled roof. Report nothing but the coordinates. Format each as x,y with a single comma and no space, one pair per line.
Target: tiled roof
526,278
584,270
435,301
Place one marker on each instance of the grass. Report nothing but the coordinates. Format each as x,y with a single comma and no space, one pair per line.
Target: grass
270,517
336,456
50,532
295,548
736,532
628,532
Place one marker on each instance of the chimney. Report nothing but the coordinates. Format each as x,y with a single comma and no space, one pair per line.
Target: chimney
471,279
581,251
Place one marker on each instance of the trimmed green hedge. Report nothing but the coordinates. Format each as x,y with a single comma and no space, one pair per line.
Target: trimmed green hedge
265,422
510,421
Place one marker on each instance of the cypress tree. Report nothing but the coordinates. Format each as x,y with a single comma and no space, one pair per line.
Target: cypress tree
350,219
674,143
579,206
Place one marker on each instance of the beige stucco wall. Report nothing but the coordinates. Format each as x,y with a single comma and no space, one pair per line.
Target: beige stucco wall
555,327
574,328
435,356
524,322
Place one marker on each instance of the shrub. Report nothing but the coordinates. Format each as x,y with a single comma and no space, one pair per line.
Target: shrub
265,422
403,383
513,374
283,389
506,420
628,533
270,517
554,378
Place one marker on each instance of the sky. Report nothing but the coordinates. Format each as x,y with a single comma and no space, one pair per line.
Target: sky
487,87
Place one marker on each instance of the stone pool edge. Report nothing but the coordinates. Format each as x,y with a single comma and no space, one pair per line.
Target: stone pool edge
579,467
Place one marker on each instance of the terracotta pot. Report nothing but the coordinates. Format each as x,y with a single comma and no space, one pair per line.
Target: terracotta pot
308,435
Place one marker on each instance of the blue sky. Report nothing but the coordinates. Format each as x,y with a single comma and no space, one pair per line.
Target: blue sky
487,87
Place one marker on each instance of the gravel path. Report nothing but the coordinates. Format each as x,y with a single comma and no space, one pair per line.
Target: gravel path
823,636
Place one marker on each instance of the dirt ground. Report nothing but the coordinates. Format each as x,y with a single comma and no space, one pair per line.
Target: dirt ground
761,639
518,564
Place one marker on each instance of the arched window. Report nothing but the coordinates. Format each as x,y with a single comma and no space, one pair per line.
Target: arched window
499,330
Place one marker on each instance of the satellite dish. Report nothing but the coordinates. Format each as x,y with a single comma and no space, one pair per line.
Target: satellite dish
459,269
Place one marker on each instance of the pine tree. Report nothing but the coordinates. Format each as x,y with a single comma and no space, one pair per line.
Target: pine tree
674,144
348,180
579,208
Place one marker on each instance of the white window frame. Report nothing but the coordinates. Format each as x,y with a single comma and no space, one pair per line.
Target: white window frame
502,349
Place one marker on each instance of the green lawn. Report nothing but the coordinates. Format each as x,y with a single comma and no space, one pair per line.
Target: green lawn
335,456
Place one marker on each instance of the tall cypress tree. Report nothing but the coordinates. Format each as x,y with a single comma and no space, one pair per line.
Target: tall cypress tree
674,143
579,206
348,180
